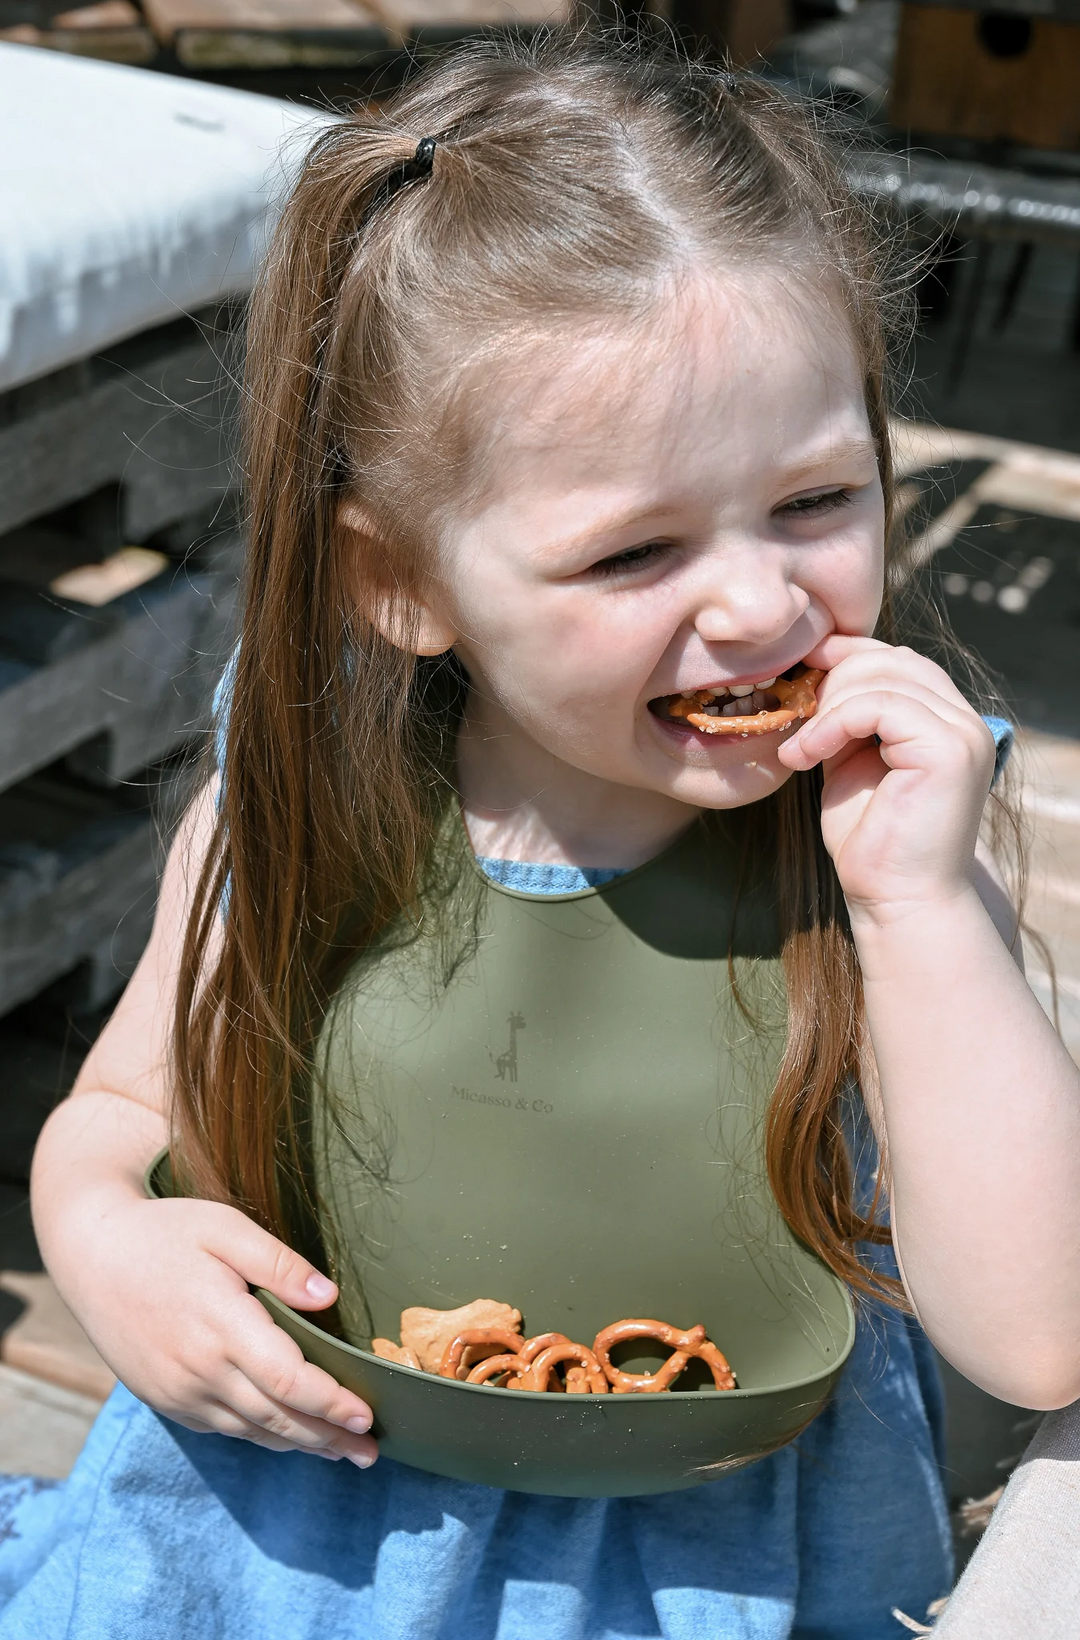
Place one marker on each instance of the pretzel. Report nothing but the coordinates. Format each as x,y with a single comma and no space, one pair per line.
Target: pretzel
387,1350
498,1366
685,1345
481,1342
473,1345
797,697
532,1346
541,1374
534,1368
517,1364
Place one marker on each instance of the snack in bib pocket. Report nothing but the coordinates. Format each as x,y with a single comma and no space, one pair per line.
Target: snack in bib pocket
480,1343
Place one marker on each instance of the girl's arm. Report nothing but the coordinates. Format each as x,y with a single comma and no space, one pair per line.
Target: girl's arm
979,1100
162,1287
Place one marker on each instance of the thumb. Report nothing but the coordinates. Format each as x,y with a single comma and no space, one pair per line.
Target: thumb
264,1261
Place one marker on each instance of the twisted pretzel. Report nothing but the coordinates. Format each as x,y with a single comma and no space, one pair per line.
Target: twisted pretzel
685,1345
473,1345
534,1367
797,697
541,1374
498,1366
482,1354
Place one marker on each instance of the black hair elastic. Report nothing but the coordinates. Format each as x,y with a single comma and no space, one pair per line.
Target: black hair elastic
416,169
424,157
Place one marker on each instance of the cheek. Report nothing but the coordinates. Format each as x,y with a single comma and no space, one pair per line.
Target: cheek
851,581
553,650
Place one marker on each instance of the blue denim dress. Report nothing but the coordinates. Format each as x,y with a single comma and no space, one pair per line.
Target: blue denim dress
163,1533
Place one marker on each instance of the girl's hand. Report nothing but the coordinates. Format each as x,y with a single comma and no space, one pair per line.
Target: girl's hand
900,814
167,1305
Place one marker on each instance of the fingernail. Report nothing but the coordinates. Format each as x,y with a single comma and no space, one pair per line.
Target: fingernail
362,1460
317,1286
358,1425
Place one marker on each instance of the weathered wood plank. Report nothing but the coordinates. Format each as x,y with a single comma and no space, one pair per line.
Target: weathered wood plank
268,33
169,17
129,699
102,880
452,17
134,46
155,417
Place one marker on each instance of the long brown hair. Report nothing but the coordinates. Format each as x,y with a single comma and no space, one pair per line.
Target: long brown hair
570,182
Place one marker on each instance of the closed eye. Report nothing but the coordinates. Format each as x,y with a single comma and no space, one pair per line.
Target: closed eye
634,558
814,506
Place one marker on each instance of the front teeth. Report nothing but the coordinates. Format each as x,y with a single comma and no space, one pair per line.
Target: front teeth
732,700
739,690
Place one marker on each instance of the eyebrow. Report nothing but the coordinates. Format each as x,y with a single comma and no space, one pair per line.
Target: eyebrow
611,525
844,451
614,522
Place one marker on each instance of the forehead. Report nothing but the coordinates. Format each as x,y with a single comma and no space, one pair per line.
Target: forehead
731,371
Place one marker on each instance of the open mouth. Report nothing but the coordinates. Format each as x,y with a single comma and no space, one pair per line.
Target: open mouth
745,708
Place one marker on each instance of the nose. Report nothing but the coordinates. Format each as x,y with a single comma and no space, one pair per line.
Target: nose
747,595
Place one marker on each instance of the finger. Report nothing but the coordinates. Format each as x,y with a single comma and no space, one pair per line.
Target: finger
884,665
227,1421
271,1361
954,712
913,735
221,1419
263,1261
856,683
309,1434
841,646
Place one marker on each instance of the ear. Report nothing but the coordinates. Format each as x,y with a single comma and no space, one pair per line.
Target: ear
406,621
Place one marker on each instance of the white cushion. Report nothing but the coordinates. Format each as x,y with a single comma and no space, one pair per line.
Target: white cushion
126,199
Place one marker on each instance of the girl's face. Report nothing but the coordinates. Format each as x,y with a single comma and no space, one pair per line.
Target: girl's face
688,507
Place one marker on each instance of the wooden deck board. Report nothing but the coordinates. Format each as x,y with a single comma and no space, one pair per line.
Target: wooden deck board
42,1427
47,1341
169,17
268,33
461,16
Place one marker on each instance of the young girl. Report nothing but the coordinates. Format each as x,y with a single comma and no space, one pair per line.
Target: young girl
565,400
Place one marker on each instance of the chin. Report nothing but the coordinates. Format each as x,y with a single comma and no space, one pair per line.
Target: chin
748,781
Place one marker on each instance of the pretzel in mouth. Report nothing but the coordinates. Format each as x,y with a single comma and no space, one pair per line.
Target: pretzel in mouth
748,709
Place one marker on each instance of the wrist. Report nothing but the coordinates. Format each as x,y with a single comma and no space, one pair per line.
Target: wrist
916,915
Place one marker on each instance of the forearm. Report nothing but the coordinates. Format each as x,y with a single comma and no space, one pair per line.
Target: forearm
90,1159
981,1106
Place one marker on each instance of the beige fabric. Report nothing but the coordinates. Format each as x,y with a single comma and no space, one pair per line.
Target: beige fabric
1024,1578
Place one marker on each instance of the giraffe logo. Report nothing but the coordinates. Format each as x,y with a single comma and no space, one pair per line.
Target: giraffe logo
506,1064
